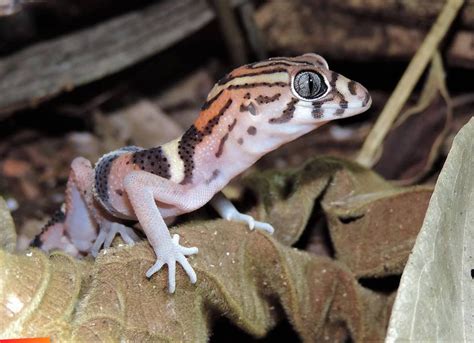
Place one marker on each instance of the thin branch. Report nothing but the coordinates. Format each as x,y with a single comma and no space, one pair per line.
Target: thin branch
407,82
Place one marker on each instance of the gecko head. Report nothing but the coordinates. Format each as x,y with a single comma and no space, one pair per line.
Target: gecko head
319,95
293,90
277,100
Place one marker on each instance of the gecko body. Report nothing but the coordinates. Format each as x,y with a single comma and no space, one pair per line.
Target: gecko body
251,111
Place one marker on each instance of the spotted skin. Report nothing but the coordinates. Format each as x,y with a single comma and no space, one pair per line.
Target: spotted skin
249,112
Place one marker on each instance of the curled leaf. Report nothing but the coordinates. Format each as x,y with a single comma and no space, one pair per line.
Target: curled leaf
372,224
424,125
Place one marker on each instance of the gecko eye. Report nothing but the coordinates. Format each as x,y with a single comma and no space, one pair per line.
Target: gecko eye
309,85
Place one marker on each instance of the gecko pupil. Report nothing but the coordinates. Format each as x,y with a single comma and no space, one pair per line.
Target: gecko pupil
309,84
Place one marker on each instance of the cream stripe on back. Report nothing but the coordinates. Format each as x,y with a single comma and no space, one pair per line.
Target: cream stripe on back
170,150
238,81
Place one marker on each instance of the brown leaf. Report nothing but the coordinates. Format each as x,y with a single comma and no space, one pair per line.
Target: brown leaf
413,143
372,224
245,276
248,277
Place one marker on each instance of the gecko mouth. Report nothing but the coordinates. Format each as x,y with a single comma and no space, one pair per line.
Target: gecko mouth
335,108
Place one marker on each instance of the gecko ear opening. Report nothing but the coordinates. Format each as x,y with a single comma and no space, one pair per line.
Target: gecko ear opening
317,59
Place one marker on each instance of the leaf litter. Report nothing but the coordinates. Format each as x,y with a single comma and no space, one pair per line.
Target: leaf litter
252,279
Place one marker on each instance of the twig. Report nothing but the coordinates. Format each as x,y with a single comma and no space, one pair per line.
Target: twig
407,82
254,33
233,36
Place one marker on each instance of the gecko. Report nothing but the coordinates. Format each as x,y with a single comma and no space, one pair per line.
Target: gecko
251,111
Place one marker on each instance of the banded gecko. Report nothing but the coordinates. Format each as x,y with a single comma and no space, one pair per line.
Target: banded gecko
250,112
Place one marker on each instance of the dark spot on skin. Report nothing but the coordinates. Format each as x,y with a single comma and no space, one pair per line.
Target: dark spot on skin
344,104
252,130
334,77
339,112
231,126
240,141
252,110
317,113
247,96
249,108
261,99
119,192
191,138
366,100
258,84
220,149
214,175
352,87
153,161
287,113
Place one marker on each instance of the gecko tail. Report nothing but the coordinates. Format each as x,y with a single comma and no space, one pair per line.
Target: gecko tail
53,235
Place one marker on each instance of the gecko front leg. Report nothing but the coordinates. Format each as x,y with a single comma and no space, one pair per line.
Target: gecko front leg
227,210
144,190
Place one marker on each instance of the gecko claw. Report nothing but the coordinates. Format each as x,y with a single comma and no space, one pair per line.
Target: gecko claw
250,221
169,255
107,234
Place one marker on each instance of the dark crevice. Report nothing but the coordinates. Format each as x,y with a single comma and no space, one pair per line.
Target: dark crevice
386,284
316,228
350,219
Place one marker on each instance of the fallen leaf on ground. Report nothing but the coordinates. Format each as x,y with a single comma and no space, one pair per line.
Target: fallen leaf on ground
372,223
252,279
245,276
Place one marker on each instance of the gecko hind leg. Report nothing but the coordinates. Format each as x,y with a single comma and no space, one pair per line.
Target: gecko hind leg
228,211
107,233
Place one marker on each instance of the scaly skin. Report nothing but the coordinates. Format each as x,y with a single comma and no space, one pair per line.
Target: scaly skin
250,112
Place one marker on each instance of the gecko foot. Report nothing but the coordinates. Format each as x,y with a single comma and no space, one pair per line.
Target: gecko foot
236,216
107,234
170,254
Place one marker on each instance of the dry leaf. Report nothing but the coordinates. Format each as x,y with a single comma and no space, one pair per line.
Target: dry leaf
373,224
7,228
245,276
248,277
435,300
415,140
